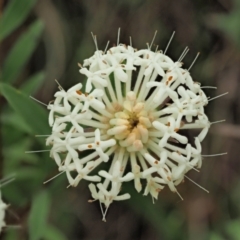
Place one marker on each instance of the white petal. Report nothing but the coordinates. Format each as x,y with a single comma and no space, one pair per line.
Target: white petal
123,197
121,75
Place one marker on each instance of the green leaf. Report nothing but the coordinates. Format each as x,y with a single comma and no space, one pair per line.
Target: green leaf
215,236
229,23
17,156
155,215
37,221
13,120
10,235
15,13
233,229
52,233
33,114
33,83
21,52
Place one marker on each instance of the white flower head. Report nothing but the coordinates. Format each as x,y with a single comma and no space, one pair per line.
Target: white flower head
134,124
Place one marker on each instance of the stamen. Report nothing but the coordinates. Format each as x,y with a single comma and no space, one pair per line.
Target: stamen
59,86
179,195
184,53
14,226
102,211
13,214
130,39
53,177
194,61
196,184
214,155
95,40
104,215
220,121
217,97
153,40
7,180
169,42
80,65
37,151
118,37
38,101
209,87
105,50
42,135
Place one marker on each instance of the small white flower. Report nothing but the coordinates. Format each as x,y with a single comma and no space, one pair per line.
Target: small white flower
3,207
128,121
99,145
94,77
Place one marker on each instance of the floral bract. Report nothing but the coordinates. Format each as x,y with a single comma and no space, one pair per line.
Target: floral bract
131,115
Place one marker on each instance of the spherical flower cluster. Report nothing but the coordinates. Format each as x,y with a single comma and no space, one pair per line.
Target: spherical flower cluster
3,207
131,115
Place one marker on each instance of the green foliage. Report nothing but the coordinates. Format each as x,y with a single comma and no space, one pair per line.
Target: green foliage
21,52
156,215
33,83
233,229
37,221
9,22
229,23
21,104
23,118
215,236
51,233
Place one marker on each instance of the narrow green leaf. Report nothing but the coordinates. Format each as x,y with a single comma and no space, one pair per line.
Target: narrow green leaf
15,13
16,153
10,235
37,221
14,121
33,114
233,229
33,83
215,236
21,52
154,214
52,233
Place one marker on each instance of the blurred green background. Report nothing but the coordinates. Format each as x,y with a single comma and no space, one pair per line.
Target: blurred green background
43,40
